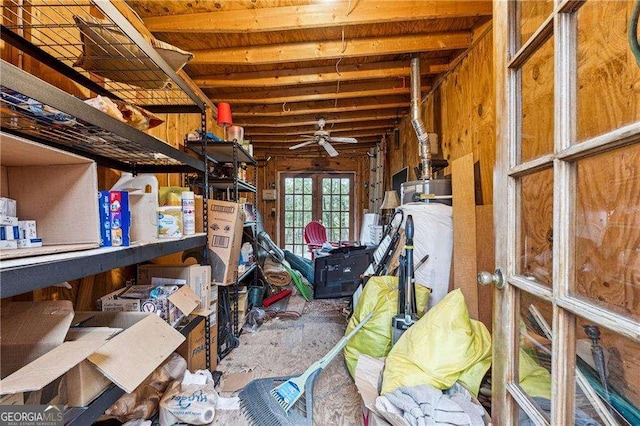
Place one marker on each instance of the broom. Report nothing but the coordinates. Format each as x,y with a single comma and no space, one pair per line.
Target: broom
264,404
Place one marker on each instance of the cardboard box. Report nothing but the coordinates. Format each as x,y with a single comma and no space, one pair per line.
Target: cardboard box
213,307
242,306
213,294
199,213
226,220
213,345
7,207
55,188
139,345
194,350
30,330
198,278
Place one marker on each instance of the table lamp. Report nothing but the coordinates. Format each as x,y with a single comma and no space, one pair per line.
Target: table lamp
224,117
389,203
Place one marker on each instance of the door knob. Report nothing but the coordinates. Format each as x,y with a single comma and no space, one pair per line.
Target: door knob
487,278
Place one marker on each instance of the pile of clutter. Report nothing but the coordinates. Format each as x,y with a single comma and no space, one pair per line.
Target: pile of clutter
174,393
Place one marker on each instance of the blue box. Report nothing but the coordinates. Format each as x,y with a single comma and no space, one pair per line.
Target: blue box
115,218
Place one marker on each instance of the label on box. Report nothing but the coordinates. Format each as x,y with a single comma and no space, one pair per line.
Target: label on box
121,305
8,220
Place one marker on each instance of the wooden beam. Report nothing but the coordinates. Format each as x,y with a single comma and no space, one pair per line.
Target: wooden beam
316,93
364,126
313,51
315,16
312,119
324,106
291,77
282,148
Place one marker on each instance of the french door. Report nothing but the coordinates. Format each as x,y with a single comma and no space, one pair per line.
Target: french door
326,197
567,214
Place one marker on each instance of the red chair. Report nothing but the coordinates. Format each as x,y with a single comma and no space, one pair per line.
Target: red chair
315,234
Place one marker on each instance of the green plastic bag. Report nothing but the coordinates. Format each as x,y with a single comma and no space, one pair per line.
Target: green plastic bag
444,346
374,339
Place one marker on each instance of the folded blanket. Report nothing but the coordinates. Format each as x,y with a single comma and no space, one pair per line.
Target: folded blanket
425,405
275,273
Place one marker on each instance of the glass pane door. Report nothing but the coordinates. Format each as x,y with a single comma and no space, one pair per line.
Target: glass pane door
315,197
567,196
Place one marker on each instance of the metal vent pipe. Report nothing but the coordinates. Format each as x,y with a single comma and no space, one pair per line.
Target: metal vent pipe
416,120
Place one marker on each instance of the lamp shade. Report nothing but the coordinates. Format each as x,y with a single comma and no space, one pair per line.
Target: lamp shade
390,201
224,114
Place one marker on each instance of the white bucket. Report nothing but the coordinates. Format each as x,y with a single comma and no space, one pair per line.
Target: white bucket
143,202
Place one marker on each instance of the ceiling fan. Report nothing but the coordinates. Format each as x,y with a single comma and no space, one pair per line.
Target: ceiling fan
322,138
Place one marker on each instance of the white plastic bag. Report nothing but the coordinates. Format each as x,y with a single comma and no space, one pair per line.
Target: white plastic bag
191,401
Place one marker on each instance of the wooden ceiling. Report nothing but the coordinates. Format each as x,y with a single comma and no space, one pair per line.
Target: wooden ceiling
283,64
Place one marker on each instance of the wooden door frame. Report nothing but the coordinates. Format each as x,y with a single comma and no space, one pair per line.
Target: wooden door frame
317,188
508,59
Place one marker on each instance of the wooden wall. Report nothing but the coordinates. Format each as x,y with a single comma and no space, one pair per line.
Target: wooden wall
268,174
460,109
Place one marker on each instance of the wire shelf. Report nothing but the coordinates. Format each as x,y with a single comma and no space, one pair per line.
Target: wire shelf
106,49
80,128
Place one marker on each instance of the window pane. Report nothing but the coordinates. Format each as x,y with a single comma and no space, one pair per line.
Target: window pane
607,255
536,230
534,360
537,107
345,186
608,75
606,358
532,14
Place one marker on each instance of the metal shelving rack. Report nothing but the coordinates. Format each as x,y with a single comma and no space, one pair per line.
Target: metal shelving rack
234,153
31,108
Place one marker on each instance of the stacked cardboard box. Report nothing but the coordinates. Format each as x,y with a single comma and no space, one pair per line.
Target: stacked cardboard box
226,220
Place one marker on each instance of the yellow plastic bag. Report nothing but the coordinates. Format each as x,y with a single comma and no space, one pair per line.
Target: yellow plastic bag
535,380
374,339
444,346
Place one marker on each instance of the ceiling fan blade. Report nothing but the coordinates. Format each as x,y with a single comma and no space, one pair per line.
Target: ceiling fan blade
330,149
343,140
300,145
